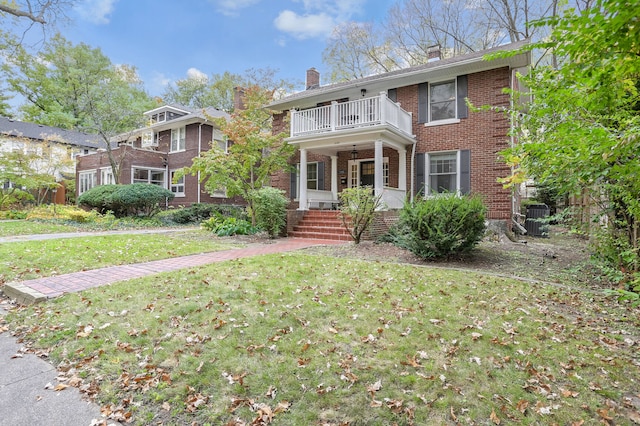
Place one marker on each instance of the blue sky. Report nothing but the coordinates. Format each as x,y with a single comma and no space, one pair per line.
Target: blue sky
167,40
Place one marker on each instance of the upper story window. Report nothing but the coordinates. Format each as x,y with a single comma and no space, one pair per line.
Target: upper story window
221,144
442,101
178,139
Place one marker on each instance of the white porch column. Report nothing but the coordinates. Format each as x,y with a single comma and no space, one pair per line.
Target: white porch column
402,169
378,181
302,196
334,177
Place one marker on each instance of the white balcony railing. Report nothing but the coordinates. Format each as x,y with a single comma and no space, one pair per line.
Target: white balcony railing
348,115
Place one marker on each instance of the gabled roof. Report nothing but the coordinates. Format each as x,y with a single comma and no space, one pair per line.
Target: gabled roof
39,132
431,71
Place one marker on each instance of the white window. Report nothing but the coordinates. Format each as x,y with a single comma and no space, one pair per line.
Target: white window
312,176
442,101
443,173
86,181
221,144
177,186
152,176
106,177
178,139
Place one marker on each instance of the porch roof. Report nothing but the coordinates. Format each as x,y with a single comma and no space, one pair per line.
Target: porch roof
360,137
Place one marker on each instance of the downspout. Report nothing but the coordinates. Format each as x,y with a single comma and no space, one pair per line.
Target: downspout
413,156
199,151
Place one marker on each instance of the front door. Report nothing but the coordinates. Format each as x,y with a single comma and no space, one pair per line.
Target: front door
367,173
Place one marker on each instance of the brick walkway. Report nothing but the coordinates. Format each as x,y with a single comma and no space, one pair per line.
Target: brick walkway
40,289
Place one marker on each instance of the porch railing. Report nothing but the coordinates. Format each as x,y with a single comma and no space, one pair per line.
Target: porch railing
348,115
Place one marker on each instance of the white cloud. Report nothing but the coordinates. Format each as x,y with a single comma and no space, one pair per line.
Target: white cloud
304,26
96,11
158,83
318,18
232,7
196,74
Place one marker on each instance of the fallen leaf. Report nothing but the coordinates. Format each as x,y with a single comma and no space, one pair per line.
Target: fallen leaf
494,418
372,389
166,406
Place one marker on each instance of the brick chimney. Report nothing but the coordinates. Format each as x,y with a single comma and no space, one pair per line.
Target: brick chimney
313,78
238,98
434,53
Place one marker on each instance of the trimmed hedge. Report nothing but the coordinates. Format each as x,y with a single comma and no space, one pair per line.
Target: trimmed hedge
137,199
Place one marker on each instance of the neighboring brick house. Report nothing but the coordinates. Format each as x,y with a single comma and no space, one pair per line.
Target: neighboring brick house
60,146
405,133
175,135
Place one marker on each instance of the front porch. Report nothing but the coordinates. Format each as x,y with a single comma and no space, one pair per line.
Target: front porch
367,142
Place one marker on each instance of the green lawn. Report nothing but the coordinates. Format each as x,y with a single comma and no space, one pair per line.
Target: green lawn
294,339
10,228
34,259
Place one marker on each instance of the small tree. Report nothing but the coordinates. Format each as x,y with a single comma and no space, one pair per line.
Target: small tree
253,155
270,206
357,210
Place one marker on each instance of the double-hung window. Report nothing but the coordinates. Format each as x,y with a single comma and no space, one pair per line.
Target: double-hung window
177,186
442,101
178,139
443,173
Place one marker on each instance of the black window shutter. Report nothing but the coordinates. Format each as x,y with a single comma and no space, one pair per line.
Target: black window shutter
321,176
392,94
423,102
293,193
420,176
463,110
465,171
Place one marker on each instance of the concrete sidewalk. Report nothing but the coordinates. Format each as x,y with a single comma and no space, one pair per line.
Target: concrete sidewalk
38,237
25,378
27,396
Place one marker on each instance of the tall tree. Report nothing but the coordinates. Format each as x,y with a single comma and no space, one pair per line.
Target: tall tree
200,91
36,11
582,129
254,154
77,87
413,27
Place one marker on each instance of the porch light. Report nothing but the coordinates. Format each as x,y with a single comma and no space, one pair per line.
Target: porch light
363,92
354,153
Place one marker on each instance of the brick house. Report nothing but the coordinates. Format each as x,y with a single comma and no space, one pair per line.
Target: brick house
59,146
406,133
175,135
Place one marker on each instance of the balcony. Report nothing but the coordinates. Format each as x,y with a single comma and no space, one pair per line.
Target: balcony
361,113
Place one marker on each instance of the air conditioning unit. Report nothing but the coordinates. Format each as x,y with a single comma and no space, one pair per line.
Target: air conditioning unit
148,140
